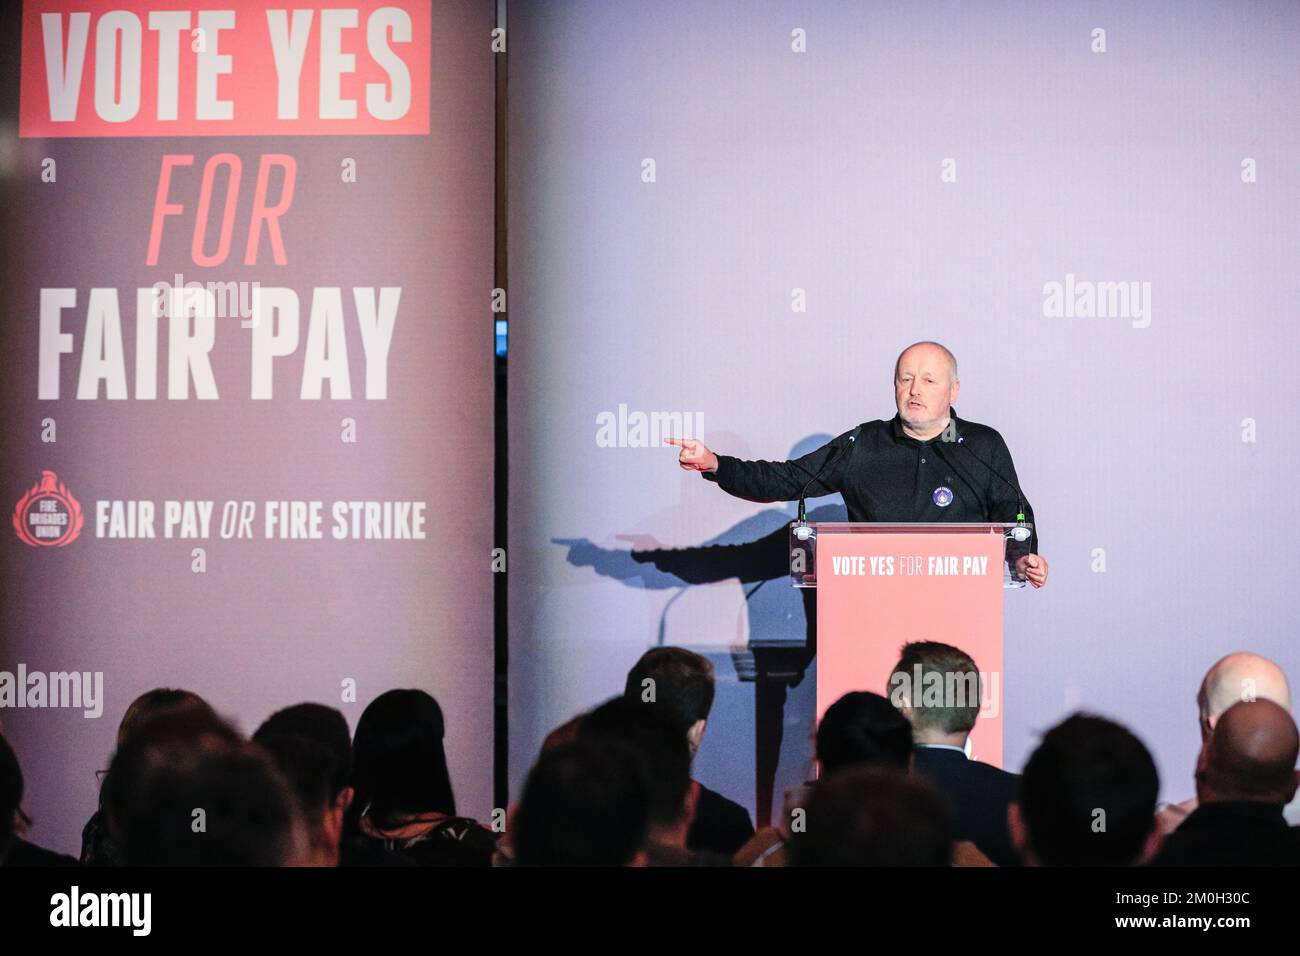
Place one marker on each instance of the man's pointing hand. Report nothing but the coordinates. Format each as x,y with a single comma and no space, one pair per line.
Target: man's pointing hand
694,456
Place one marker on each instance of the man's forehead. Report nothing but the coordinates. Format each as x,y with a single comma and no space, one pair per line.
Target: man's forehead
923,358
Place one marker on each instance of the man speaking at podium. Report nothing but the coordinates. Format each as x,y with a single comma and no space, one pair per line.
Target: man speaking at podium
923,465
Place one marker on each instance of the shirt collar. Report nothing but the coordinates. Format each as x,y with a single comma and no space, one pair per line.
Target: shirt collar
897,427
960,750
1248,809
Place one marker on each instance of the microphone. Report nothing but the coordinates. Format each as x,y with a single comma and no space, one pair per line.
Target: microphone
1020,532
803,531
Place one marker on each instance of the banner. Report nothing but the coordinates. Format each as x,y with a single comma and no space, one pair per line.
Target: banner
248,394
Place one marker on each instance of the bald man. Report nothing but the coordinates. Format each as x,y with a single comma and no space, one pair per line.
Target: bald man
923,465
1232,679
1245,775
1237,677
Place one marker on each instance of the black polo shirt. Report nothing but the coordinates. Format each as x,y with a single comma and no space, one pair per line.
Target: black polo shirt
886,475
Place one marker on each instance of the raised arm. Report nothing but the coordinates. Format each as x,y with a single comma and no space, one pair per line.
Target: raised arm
770,480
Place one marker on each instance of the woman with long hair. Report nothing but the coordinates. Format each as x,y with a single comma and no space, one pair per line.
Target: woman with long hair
404,801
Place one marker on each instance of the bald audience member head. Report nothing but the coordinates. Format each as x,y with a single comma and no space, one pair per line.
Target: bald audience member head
1250,756
1237,677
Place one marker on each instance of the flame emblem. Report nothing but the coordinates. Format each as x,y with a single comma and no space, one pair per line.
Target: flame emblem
47,527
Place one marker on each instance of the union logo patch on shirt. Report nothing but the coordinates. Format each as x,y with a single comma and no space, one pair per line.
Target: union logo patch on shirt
942,496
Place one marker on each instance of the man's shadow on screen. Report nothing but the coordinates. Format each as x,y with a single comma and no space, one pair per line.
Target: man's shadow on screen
782,618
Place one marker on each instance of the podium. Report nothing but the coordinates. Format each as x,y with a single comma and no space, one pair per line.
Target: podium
881,585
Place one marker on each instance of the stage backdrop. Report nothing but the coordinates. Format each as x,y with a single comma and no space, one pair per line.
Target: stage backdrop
273,500
740,213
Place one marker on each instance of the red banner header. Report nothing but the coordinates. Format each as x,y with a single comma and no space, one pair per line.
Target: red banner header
132,68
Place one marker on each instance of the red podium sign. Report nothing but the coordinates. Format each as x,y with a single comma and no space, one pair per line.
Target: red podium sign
881,586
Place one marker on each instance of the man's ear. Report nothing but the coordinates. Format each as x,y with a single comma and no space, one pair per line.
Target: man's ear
696,734
345,798
952,393
333,824
1019,832
1295,785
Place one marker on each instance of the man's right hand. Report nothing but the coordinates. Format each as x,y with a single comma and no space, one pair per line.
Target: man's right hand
694,456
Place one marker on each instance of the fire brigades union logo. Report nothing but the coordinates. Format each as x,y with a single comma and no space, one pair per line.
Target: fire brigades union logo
48,516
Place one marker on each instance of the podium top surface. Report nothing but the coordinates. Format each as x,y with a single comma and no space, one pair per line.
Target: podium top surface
913,527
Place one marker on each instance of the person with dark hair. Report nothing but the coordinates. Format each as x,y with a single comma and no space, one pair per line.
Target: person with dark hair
937,688
14,850
684,681
680,679
188,791
658,733
862,728
1245,776
566,733
97,846
184,729
1087,797
329,728
325,725
585,803
151,703
873,816
404,801
309,768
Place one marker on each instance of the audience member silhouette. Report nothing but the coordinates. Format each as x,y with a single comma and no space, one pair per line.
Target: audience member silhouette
15,851
873,816
1236,677
188,791
656,731
1087,797
977,793
1245,775
585,803
404,802
684,681
97,846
